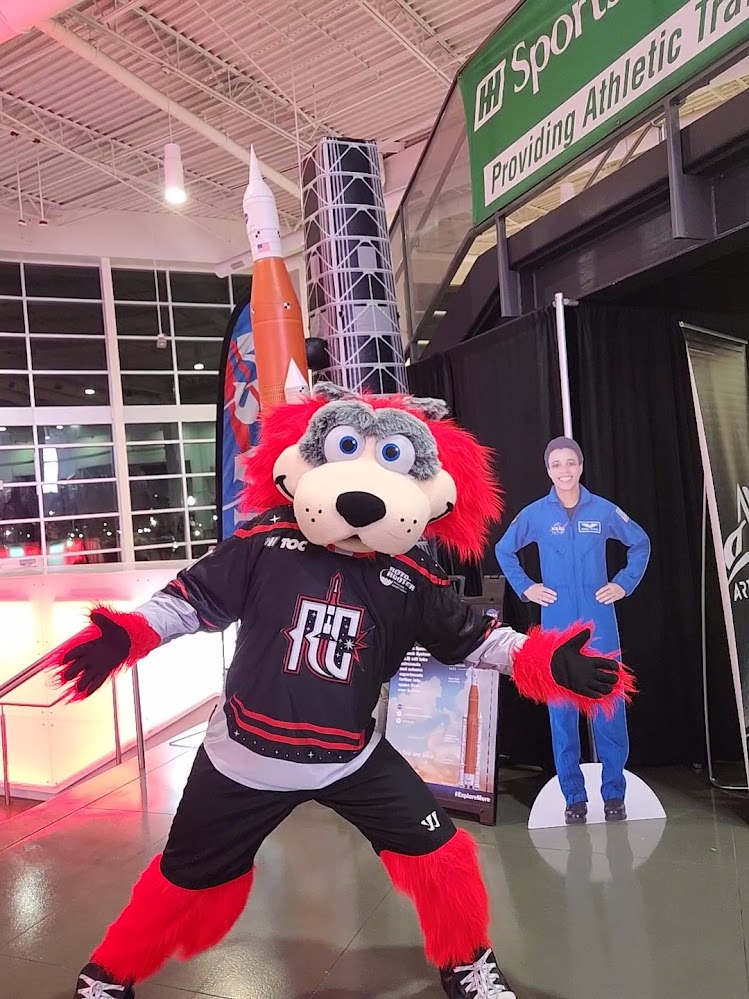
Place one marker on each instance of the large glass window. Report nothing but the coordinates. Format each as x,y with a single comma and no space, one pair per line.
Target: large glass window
58,488
172,473
59,492
169,339
58,498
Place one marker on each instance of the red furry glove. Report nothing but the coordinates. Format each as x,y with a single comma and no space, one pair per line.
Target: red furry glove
559,668
114,640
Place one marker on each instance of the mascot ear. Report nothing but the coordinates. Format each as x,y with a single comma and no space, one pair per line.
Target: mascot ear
329,392
433,409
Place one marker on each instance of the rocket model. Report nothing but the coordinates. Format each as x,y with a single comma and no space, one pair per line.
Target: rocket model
278,331
469,756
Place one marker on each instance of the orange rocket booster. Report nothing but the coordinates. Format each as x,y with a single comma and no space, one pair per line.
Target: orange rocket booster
277,328
471,726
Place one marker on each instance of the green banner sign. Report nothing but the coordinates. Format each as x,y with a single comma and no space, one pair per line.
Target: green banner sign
560,75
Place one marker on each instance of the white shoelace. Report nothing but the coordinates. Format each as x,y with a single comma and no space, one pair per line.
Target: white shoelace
92,989
482,979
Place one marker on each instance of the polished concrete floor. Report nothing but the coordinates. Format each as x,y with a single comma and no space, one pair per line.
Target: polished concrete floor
643,911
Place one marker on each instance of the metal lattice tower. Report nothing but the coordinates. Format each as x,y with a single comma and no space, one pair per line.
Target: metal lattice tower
350,282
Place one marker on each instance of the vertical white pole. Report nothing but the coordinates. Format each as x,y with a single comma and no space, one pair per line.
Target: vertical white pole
564,373
118,414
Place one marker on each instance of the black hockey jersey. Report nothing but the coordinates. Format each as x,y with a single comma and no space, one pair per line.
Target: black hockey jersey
320,632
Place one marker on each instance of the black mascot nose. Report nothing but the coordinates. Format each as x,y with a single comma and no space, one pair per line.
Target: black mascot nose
360,509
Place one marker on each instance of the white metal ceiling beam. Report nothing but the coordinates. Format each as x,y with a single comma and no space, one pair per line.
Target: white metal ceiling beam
120,39
72,133
123,9
384,21
135,183
234,75
427,28
80,47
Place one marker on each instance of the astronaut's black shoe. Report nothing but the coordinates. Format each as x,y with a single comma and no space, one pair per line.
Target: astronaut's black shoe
96,983
614,810
576,814
481,979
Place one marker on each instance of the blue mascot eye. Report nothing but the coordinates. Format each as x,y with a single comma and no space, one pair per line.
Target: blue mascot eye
343,444
396,454
348,445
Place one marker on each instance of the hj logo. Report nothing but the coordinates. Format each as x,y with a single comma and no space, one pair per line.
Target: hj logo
490,95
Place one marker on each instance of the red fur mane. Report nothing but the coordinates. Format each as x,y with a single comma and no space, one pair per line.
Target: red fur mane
479,502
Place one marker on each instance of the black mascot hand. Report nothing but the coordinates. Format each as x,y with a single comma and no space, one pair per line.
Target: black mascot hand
591,676
89,665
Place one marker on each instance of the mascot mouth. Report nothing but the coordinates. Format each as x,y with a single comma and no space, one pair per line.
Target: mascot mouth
280,481
448,510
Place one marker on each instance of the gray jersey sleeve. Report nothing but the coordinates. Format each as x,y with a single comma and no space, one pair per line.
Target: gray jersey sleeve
497,651
170,616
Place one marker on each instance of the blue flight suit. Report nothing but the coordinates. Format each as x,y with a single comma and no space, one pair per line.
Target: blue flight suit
572,551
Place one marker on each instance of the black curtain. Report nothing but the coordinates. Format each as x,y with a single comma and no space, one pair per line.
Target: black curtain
504,387
634,419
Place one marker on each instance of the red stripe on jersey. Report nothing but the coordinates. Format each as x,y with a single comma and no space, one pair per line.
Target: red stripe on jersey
289,741
289,726
264,528
437,580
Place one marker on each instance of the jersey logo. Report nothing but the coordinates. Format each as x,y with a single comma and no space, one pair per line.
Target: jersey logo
558,529
326,636
289,544
397,578
432,822
589,526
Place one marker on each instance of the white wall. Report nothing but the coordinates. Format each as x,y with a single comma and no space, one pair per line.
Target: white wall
126,237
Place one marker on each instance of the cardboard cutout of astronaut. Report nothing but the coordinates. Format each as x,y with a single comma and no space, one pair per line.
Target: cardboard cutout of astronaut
571,527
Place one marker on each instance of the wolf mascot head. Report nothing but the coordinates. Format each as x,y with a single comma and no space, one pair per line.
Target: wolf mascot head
367,473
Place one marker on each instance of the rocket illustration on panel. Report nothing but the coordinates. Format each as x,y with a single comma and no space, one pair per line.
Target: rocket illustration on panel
471,736
278,330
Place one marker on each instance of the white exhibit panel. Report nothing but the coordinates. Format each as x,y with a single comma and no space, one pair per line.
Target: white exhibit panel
51,745
548,809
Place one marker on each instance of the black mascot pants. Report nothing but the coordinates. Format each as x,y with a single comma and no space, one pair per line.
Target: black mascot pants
190,896
220,825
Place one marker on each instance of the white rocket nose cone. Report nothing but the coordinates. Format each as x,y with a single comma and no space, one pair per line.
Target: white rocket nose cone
261,214
256,177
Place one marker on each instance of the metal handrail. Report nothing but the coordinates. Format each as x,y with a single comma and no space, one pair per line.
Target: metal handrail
34,670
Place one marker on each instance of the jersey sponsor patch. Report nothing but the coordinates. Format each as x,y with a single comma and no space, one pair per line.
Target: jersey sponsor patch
397,578
589,526
623,515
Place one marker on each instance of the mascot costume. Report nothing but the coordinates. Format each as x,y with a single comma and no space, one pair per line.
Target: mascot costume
342,489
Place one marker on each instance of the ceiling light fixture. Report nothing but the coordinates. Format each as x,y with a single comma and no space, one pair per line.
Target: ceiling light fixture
174,181
90,391
198,366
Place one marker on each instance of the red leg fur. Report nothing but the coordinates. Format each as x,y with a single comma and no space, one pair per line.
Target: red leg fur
532,673
450,898
162,921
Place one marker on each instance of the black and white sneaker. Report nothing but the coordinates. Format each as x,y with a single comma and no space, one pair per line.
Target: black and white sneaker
94,983
480,980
